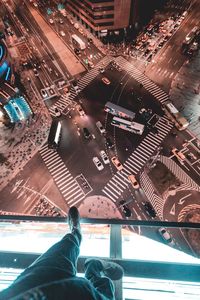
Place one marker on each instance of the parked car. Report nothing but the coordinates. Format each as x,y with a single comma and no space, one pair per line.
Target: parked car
104,157
86,133
97,163
127,212
149,209
51,21
105,80
166,236
117,163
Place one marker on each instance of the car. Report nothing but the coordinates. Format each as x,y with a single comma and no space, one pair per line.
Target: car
166,236
35,72
51,21
62,33
178,154
90,40
76,25
101,70
117,163
61,21
90,64
44,93
100,127
51,91
81,30
97,163
86,133
127,212
77,51
109,143
80,110
149,209
105,80
133,181
191,156
57,112
104,157
71,21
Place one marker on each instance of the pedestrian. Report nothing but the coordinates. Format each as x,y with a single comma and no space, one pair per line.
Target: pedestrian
53,275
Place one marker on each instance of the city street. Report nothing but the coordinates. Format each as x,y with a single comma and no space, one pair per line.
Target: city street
92,162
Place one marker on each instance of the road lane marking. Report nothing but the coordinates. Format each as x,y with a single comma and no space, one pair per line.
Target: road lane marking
182,200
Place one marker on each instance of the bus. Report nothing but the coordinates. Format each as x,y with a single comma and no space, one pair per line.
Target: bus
173,114
77,42
54,134
128,125
119,111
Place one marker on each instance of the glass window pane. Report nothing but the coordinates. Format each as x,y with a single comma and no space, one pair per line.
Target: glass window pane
139,247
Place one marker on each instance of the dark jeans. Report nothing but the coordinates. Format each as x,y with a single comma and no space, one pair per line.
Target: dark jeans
60,262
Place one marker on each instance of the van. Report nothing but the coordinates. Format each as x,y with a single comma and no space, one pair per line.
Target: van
100,127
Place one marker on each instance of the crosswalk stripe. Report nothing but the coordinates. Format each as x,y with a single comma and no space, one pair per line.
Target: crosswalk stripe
109,196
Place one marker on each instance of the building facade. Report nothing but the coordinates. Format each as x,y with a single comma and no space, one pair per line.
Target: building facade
102,17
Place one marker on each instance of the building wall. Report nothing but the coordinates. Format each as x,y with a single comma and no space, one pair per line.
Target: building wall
101,15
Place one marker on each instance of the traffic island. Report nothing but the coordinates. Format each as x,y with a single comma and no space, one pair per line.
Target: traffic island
164,181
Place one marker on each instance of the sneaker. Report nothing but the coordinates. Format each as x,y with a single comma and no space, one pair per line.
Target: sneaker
109,269
74,219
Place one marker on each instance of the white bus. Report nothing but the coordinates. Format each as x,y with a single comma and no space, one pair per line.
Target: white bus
77,42
119,111
54,134
128,125
173,114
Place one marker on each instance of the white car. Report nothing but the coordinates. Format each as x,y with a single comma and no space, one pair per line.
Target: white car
97,163
62,33
51,21
166,236
104,157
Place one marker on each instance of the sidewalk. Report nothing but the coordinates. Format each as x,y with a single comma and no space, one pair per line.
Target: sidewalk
99,207
185,93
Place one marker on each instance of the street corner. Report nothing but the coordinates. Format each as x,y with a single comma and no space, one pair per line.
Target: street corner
99,207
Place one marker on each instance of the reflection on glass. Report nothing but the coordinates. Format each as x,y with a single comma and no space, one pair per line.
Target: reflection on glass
41,236
96,240
165,245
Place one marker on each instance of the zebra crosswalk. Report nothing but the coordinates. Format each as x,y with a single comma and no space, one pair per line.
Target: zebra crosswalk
87,78
188,183
61,105
149,85
137,160
66,184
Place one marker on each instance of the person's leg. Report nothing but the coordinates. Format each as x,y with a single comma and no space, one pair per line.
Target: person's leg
95,268
66,250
